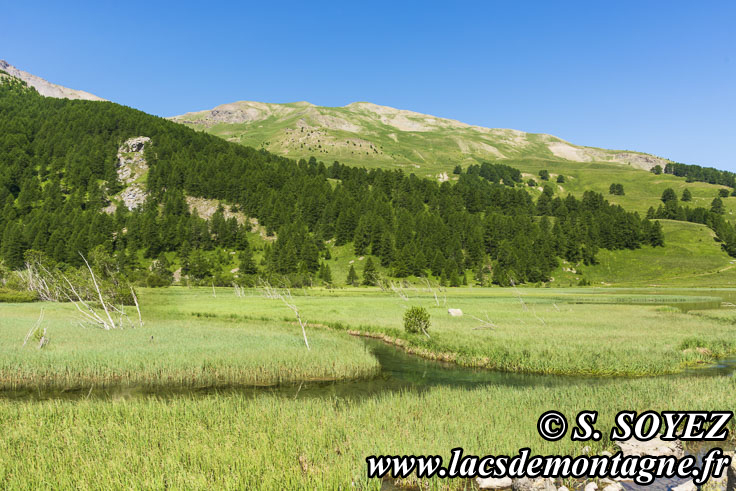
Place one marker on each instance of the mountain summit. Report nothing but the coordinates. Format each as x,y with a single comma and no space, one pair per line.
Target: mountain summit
363,133
45,87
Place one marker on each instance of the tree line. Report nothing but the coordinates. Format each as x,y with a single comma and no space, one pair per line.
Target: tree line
58,173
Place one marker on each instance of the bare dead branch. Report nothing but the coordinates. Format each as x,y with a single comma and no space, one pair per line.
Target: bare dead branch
34,328
285,296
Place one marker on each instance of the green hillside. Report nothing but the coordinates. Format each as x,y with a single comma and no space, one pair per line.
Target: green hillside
379,136
145,192
369,135
691,257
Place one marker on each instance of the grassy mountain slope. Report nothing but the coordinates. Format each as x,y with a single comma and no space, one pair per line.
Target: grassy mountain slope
378,136
690,258
370,135
642,189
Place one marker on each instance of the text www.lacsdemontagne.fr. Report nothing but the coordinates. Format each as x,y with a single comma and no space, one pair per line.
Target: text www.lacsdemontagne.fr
641,469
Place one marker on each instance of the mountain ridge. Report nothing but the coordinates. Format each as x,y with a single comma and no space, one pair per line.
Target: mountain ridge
46,88
371,134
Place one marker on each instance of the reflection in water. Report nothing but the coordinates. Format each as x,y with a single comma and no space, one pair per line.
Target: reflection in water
399,372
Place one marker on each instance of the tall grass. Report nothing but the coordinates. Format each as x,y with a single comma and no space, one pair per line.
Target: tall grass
536,330
171,352
234,442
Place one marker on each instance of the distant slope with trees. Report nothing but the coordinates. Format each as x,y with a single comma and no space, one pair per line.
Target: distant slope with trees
58,173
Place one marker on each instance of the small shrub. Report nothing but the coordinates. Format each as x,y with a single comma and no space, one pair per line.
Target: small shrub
14,296
416,320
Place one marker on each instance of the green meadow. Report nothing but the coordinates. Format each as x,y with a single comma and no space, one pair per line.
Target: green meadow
691,257
71,423
232,441
169,351
544,330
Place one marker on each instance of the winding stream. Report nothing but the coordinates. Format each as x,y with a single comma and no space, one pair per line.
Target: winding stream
400,371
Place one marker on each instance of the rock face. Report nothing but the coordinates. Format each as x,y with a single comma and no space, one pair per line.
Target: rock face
131,167
46,88
539,484
687,486
654,447
492,483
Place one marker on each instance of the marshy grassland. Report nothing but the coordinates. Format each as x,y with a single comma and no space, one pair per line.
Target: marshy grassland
564,331
294,439
232,441
170,351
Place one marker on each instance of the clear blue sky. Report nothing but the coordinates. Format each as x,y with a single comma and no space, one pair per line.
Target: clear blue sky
654,76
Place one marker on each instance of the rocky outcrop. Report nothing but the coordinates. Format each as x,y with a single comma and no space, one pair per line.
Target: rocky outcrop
131,167
46,88
686,486
538,484
493,483
132,164
654,447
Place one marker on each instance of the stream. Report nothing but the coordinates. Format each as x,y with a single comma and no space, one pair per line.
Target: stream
399,372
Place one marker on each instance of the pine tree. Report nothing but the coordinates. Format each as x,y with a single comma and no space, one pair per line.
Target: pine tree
325,273
362,237
480,276
13,246
450,272
668,195
369,273
352,277
686,195
716,206
443,278
199,266
438,264
656,235
247,265
387,250
309,255
403,265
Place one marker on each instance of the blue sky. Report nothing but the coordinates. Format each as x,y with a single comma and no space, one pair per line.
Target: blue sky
658,77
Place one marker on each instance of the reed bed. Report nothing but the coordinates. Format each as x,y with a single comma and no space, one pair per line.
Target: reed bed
171,353
229,441
532,331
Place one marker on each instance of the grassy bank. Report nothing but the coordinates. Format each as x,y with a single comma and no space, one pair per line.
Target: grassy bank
533,330
690,258
235,442
170,352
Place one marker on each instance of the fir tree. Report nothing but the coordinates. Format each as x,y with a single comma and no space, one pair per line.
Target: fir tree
247,265
438,264
669,196
369,273
352,277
